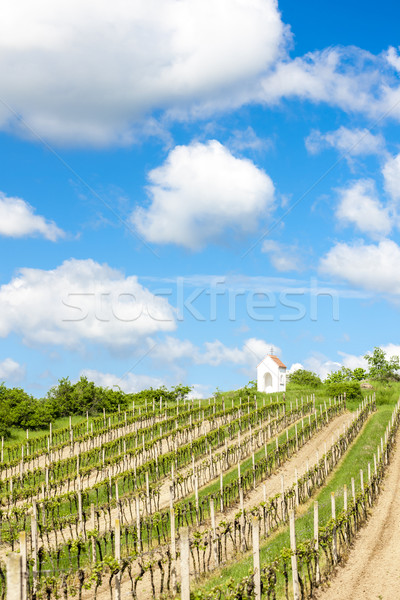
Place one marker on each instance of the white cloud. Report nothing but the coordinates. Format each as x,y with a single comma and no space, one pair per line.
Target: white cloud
391,350
354,142
129,383
249,355
199,391
86,71
247,139
349,78
352,361
283,257
91,72
391,174
294,367
11,371
18,219
82,301
172,349
201,191
321,366
393,57
372,267
132,383
214,353
360,206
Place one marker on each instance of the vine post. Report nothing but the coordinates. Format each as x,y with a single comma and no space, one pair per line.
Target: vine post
221,487
256,558
185,564
24,573
34,542
283,497
316,543
334,533
214,535
14,591
295,576
138,532
118,558
93,527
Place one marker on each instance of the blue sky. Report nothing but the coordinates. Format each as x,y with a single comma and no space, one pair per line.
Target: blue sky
186,185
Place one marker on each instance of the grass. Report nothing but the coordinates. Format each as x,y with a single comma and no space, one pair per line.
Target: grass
19,435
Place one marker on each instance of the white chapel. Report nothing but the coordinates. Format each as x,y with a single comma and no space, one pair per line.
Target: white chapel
271,375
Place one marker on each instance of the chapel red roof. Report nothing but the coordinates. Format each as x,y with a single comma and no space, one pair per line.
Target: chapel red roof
275,359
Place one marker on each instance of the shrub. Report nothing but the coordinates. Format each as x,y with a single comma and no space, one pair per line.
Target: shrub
301,377
352,389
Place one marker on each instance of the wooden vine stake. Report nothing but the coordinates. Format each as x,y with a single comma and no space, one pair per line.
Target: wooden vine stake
14,588
242,521
185,564
138,528
316,543
295,576
93,527
214,535
173,538
34,542
221,487
80,514
24,572
334,533
118,558
256,559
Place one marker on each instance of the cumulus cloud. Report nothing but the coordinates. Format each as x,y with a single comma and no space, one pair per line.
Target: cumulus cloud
294,367
81,301
283,257
359,205
354,142
353,361
129,383
86,71
372,267
18,219
215,353
199,193
249,355
11,371
391,350
349,78
391,175
321,365
172,349
247,139
91,72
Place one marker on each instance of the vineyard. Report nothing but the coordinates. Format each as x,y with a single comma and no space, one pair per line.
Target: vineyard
226,498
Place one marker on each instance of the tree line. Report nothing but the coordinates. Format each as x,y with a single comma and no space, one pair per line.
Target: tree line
20,409
380,368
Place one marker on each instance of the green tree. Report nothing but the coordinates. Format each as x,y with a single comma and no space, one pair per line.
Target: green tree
301,377
343,374
380,368
359,374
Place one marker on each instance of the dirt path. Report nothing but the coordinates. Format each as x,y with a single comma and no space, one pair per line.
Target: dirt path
372,571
